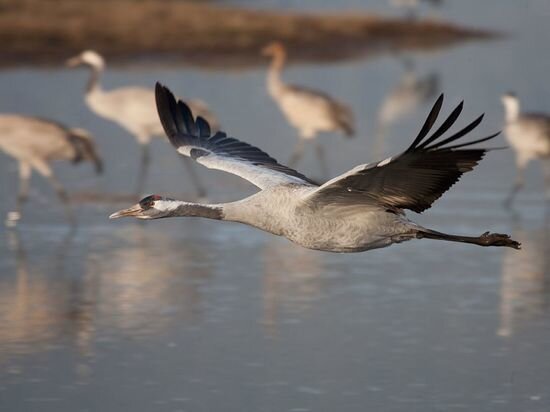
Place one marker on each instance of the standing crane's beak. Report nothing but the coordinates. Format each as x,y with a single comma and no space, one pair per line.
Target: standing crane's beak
131,211
98,164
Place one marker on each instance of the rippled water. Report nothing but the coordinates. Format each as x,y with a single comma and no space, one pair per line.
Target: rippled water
196,315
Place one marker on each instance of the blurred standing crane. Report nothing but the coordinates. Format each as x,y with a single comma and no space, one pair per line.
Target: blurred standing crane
35,143
132,108
529,135
412,5
309,111
411,92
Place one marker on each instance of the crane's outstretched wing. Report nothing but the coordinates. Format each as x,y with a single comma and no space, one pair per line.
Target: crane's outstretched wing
412,180
192,138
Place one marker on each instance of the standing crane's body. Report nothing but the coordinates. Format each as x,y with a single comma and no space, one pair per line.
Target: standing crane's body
309,111
529,136
132,107
412,5
360,210
411,92
35,143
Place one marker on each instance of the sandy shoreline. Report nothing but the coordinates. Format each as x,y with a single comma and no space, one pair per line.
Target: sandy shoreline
45,32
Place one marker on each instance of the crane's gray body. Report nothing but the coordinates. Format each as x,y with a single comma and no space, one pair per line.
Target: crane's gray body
359,210
284,210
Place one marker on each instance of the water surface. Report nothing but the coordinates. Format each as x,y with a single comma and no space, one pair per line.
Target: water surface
196,315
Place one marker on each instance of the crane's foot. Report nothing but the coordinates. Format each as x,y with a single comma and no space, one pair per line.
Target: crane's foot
498,239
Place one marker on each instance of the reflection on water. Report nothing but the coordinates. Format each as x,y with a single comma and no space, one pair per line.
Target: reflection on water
135,283
33,311
291,282
525,282
192,314
146,280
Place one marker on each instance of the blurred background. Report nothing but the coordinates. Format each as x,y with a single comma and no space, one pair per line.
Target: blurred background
197,315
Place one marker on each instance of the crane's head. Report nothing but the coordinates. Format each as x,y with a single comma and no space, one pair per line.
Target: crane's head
274,49
509,97
87,57
84,148
150,207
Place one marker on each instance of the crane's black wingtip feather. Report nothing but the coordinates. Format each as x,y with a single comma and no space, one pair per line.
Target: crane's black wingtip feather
428,123
203,127
177,117
163,98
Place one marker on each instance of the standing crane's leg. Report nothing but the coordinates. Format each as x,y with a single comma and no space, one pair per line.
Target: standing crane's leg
322,159
25,172
379,141
297,153
199,188
519,182
546,168
144,166
45,170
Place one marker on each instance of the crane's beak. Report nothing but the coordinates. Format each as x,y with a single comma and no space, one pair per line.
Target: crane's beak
73,61
131,211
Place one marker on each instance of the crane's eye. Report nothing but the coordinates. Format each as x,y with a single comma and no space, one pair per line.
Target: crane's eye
149,201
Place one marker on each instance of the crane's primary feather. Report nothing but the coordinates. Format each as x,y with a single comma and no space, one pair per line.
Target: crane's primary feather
192,138
413,180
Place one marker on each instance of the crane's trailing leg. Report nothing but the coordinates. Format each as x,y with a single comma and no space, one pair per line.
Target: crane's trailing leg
486,239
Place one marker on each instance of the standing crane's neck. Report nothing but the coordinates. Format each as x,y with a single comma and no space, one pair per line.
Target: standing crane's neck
93,84
512,109
274,82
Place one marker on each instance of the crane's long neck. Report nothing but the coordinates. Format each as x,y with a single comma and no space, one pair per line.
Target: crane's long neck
93,84
274,81
512,109
177,208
